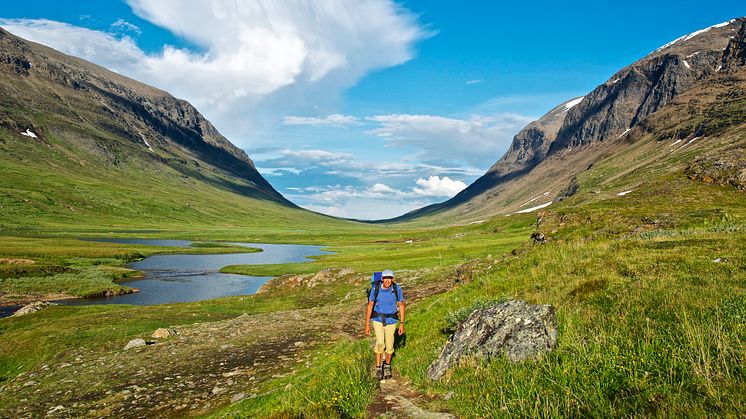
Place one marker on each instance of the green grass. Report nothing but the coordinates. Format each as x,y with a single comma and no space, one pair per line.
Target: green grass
309,394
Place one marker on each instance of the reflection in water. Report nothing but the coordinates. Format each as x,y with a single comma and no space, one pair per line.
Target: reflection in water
177,278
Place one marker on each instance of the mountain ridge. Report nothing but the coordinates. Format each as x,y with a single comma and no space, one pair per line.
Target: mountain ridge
608,113
169,129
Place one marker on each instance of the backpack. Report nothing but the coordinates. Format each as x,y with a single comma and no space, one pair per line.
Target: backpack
375,283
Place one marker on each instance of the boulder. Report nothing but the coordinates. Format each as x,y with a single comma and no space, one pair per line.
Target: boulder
514,329
162,333
33,308
134,343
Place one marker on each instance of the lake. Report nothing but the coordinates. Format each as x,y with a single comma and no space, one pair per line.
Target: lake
181,278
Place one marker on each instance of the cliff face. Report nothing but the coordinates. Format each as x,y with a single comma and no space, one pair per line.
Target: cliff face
38,80
647,85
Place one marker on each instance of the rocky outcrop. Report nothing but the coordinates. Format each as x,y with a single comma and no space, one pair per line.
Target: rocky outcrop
735,53
513,329
727,168
324,276
33,308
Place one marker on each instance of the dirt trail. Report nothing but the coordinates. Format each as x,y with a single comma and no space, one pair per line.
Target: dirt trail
396,399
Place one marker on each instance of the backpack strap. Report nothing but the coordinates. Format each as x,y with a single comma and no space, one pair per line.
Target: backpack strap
396,292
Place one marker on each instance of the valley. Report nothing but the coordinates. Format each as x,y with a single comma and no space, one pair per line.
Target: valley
633,229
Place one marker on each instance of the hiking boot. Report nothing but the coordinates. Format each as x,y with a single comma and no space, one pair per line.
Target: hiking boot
386,371
379,372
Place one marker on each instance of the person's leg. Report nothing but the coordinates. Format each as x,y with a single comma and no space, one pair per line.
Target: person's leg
380,341
389,338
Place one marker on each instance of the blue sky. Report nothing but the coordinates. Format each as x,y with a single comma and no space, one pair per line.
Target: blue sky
361,108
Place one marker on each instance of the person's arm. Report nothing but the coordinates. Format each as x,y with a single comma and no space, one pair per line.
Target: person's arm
401,317
368,312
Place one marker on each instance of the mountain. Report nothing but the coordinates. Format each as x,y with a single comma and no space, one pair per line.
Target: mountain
560,140
101,143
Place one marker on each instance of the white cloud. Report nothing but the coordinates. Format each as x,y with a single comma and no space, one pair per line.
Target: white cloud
359,203
382,188
479,140
435,186
250,50
335,120
124,26
473,81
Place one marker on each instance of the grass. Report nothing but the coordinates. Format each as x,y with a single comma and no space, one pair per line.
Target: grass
650,323
308,393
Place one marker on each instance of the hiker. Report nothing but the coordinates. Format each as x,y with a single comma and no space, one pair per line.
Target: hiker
385,308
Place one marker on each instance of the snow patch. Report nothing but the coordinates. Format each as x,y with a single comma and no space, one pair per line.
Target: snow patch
719,68
29,133
688,142
693,34
569,105
676,142
687,64
533,199
532,209
623,193
477,222
146,143
693,54
615,81
624,133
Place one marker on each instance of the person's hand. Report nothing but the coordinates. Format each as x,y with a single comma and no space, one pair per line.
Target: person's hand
367,330
401,329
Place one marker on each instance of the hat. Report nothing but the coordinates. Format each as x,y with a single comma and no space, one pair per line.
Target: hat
388,273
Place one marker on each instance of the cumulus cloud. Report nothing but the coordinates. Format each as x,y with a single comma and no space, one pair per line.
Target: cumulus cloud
435,186
373,203
348,165
335,120
249,49
478,140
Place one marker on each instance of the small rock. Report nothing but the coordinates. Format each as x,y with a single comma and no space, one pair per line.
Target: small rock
55,410
448,396
218,390
299,344
226,346
238,397
65,365
718,260
162,333
29,383
32,308
134,343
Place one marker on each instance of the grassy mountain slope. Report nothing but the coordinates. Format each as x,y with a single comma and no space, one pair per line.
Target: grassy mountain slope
80,145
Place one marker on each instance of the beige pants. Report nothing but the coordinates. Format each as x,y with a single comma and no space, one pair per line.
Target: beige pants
384,337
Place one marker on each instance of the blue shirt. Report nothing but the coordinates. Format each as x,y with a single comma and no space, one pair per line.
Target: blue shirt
386,302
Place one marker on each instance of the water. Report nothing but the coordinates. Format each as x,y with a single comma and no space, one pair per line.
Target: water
180,278
6,311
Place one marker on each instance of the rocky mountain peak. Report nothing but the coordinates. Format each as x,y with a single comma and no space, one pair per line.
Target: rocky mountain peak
645,86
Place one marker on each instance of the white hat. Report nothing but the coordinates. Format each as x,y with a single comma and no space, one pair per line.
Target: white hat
388,273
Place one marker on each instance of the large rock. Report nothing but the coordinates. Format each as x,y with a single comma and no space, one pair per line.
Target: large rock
515,329
33,308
